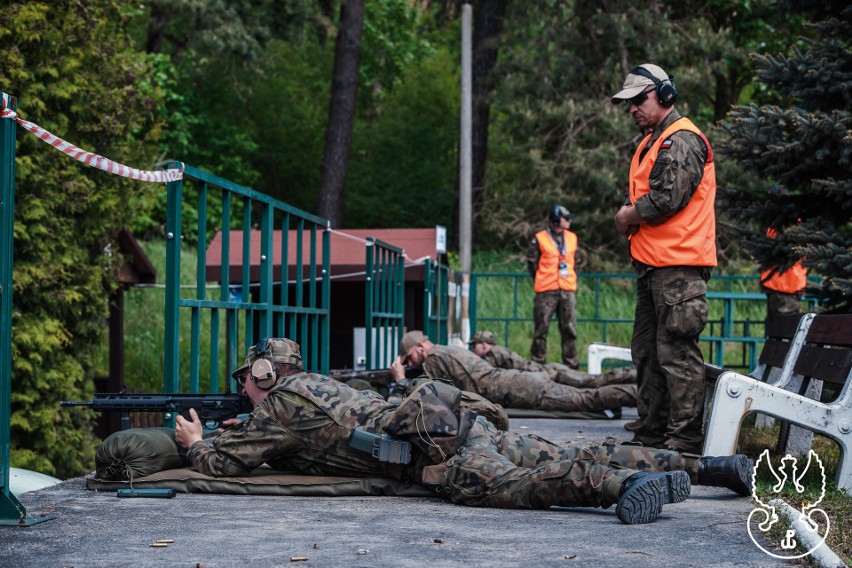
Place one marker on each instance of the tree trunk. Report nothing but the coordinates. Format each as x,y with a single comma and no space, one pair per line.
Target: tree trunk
341,112
488,19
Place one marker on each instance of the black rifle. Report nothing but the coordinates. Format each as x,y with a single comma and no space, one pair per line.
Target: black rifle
376,377
212,408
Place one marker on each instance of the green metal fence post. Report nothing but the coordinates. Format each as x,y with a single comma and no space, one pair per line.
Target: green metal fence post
174,238
384,307
12,513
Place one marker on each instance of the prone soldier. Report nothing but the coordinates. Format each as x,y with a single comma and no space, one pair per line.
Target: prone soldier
485,345
508,387
305,422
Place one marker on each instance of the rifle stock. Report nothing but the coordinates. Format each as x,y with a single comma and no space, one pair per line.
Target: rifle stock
212,408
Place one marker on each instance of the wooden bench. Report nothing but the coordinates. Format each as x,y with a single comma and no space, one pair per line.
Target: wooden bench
824,353
784,338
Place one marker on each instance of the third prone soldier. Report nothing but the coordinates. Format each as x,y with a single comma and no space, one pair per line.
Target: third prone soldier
485,345
508,387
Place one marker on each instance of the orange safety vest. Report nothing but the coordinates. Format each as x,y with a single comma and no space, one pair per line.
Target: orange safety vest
792,281
547,276
689,237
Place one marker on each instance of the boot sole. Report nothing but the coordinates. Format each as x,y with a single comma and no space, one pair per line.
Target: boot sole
644,502
678,486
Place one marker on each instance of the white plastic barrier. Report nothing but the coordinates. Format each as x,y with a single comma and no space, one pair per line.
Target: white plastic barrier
600,352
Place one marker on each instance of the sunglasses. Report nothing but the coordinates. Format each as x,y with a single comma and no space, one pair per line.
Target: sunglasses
640,98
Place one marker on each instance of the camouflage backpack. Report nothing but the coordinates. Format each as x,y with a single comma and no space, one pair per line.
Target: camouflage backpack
432,419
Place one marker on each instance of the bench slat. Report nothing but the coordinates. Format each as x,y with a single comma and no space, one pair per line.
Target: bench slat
831,329
773,353
824,363
783,326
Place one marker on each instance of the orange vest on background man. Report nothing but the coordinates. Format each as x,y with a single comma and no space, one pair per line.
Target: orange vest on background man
792,281
689,237
547,276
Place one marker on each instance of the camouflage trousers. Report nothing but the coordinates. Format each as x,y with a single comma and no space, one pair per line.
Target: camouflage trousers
524,389
671,312
779,303
564,305
565,375
510,470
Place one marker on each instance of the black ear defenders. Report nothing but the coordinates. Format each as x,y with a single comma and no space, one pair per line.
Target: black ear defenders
666,90
263,374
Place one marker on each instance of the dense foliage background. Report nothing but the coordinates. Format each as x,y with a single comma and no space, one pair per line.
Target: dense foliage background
241,89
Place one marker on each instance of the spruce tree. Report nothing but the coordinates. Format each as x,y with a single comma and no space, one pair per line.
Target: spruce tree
801,142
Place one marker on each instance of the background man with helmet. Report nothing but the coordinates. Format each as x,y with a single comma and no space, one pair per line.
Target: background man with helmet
550,260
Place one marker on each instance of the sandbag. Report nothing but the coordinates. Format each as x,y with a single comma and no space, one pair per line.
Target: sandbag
137,452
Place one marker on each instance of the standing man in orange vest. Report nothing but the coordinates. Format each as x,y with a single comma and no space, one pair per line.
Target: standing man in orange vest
671,226
550,260
783,289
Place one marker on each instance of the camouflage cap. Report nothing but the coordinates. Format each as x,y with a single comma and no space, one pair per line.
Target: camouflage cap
275,350
483,337
409,340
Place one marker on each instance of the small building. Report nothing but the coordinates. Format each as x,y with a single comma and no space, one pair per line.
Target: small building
347,265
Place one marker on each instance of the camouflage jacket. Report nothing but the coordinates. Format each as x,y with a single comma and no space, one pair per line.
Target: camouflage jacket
468,371
464,367
504,358
304,425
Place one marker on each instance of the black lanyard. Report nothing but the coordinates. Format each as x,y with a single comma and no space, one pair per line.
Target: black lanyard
561,249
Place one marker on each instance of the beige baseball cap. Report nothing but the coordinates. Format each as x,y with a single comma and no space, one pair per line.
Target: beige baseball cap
274,350
635,83
409,340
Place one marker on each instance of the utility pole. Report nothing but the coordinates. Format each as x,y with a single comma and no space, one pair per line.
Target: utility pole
466,155
466,163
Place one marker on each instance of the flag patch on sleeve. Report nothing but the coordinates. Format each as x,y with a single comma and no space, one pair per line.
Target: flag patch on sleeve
667,143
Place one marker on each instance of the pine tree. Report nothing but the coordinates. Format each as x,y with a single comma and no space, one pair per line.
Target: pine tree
803,143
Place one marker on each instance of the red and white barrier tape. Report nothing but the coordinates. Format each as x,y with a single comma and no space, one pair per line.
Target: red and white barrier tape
407,259
90,159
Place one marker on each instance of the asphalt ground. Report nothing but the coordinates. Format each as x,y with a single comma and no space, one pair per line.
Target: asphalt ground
94,529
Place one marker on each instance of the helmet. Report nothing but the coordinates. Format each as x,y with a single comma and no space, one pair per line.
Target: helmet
557,212
483,337
274,350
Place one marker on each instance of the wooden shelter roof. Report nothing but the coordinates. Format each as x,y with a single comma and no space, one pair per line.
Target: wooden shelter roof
348,252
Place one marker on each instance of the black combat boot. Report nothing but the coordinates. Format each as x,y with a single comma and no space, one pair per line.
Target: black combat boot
734,472
643,495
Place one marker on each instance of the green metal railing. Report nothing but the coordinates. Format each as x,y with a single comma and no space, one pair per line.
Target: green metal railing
384,302
732,337
294,306
12,513
436,301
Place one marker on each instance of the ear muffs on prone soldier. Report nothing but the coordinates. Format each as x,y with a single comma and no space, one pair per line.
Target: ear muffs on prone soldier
263,374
